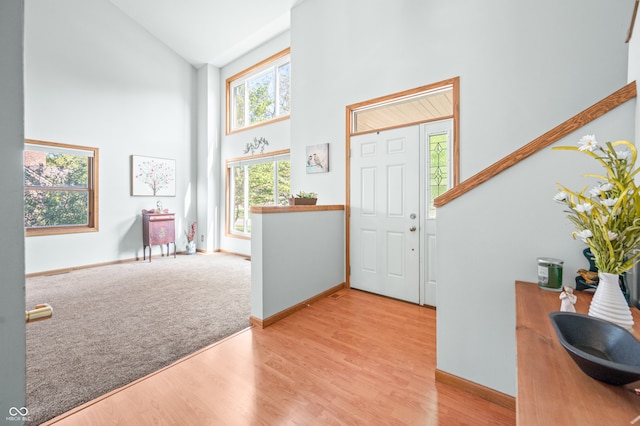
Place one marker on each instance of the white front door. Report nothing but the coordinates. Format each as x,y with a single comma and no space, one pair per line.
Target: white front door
385,213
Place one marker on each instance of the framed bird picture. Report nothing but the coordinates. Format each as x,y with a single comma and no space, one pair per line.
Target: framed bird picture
318,158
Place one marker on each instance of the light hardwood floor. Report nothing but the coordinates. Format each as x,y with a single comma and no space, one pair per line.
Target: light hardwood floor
350,359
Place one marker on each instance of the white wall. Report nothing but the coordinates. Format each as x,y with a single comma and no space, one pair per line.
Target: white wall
523,67
516,80
277,134
492,236
208,158
93,77
12,327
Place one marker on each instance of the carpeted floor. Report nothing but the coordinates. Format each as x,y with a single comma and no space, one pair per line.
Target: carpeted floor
114,324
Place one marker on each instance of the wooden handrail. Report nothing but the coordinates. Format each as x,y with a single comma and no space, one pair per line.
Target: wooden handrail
597,110
633,22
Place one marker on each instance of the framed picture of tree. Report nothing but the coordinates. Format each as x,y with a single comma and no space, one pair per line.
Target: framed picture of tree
153,177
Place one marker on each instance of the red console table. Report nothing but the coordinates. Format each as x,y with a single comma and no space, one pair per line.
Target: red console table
158,229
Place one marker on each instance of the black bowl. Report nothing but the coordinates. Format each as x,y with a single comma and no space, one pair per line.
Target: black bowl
602,349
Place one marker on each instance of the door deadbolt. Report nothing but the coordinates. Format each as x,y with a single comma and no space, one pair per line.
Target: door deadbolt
412,215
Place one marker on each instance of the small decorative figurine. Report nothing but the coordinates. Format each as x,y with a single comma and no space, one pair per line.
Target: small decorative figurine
568,300
257,144
587,279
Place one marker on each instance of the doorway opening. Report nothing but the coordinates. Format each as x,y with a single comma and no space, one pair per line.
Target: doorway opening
402,152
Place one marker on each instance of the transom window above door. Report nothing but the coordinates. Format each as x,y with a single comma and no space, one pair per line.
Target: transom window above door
416,106
427,104
260,94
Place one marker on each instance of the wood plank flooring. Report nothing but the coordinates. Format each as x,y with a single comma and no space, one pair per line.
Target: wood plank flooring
350,359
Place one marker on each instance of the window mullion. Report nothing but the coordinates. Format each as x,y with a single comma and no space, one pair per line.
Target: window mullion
57,188
232,196
277,91
247,106
246,200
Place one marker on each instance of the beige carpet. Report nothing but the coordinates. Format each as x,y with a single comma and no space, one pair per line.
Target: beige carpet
114,324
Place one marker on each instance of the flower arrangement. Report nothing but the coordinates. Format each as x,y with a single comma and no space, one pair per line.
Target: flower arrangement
607,218
192,232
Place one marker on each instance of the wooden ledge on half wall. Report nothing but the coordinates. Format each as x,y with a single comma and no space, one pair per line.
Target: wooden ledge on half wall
295,209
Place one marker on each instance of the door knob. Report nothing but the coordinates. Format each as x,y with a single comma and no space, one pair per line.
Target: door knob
41,312
412,229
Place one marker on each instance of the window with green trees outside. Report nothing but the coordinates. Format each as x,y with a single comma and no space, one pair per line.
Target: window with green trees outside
259,94
60,188
255,181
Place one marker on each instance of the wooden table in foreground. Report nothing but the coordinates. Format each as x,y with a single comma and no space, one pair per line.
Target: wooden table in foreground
552,390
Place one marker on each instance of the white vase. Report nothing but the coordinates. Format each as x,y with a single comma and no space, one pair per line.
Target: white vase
609,304
191,247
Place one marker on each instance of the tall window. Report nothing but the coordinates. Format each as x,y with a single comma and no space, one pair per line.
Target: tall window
60,188
439,179
260,94
255,181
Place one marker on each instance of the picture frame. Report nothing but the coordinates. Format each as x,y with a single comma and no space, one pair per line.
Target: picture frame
317,160
153,176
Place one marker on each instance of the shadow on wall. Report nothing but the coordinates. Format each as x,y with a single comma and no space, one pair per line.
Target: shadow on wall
131,241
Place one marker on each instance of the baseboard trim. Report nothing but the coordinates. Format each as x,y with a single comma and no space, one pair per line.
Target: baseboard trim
266,322
488,394
77,268
233,252
256,322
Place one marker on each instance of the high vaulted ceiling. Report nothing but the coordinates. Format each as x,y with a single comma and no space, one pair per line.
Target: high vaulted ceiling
210,31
